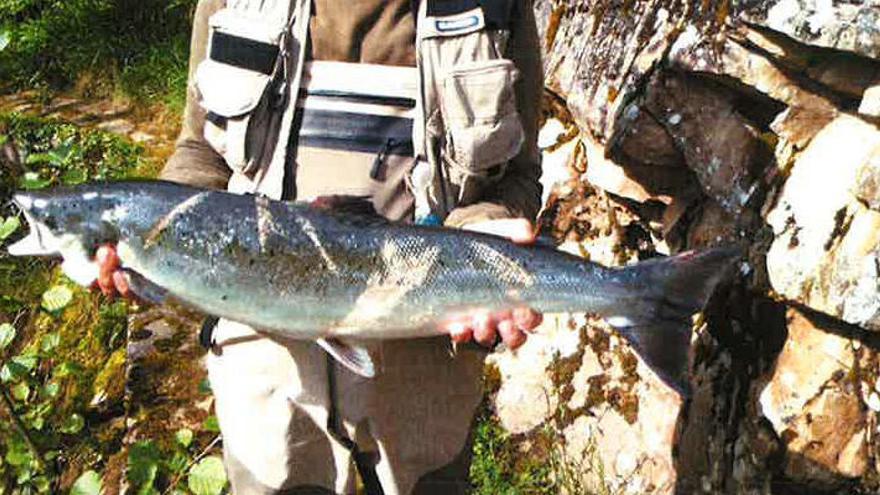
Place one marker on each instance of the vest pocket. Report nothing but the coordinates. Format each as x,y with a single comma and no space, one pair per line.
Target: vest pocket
234,85
231,97
483,129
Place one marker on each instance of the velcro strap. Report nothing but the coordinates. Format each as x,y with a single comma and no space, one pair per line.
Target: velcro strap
496,13
243,52
442,8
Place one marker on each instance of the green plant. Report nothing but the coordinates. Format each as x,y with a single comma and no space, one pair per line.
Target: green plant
54,42
498,467
54,338
61,153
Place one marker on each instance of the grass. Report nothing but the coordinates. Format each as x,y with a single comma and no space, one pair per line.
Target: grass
135,48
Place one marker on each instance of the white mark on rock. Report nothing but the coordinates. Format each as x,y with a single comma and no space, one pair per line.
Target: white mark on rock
619,321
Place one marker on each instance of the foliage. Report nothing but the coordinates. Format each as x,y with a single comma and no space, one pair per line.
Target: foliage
89,483
52,43
208,477
62,355
61,153
498,468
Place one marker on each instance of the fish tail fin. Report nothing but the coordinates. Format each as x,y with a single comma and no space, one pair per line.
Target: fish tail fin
663,295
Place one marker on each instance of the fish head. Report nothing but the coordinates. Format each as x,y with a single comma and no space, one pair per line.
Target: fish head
68,223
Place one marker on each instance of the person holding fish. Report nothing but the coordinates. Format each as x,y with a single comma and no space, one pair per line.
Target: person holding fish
429,109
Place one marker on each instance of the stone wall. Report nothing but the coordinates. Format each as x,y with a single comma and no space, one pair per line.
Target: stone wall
675,125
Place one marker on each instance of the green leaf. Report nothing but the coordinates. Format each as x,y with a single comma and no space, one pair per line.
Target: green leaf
184,437
50,390
88,483
6,374
38,423
57,298
207,477
74,176
41,483
73,424
211,424
177,463
50,342
18,454
19,367
20,391
204,386
66,369
24,475
143,464
38,158
7,334
4,41
32,180
8,227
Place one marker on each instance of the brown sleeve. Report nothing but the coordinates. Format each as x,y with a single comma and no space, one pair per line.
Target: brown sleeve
518,193
194,161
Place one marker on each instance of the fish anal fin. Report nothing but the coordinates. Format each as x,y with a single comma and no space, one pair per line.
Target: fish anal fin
354,357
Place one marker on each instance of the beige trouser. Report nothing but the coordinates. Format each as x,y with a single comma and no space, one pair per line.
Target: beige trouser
273,402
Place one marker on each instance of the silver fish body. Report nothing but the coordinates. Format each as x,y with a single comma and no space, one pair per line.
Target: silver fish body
307,272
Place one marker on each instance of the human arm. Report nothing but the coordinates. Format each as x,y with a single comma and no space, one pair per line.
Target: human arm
194,161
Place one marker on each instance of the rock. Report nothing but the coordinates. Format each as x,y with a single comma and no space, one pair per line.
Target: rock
116,126
164,372
720,145
525,399
612,177
595,56
852,26
827,248
142,137
813,405
557,159
659,89
870,104
615,418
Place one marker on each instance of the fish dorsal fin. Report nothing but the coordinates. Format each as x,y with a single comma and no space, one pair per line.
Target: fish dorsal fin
351,209
353,357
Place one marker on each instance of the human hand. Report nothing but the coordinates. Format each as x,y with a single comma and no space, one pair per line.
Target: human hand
111,280
483,326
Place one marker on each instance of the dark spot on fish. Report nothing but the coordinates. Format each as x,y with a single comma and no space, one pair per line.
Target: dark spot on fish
224,297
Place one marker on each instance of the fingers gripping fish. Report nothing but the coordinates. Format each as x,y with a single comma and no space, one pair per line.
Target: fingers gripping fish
337,273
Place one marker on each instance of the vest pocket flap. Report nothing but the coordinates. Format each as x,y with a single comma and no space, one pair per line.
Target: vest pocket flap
229,91
485,149
483,128
479,93
261,27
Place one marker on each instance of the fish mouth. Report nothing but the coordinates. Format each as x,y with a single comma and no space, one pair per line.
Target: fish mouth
40,241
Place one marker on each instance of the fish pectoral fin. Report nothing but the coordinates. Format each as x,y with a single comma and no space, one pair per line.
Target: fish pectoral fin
352,356
145,289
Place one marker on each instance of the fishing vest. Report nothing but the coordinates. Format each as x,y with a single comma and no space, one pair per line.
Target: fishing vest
446,128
